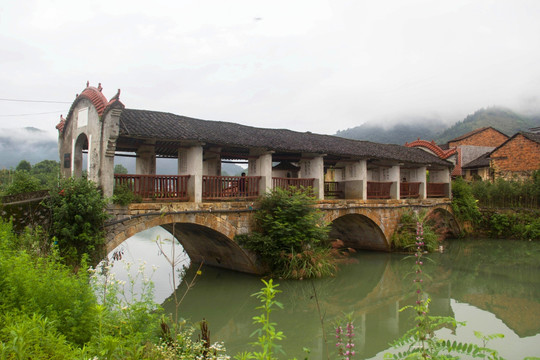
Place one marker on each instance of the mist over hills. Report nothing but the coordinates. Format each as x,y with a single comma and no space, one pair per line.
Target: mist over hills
502,119
35,145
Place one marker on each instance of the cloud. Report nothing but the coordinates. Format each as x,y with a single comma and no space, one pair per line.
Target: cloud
31,144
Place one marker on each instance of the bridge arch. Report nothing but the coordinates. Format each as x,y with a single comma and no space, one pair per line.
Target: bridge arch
359,231
443,221
205,237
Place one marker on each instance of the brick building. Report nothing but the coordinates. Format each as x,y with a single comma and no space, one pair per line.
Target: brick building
517,157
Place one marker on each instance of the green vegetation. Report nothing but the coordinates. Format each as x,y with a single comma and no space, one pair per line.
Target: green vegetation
27,178
78,215
502,209
291,237
508,194
120,169
50,312
464,204
123,195
404,239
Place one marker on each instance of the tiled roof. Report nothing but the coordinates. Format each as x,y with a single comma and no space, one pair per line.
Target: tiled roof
97,98
532,136
161,126
481,161
437,150
474,132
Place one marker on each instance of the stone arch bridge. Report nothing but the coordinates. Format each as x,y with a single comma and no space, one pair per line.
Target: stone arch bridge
207,230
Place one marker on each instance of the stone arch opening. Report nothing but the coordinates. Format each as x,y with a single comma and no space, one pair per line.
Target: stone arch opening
81,144
443,223
359,232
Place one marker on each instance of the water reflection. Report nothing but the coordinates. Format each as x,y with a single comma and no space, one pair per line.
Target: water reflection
492,285
467,282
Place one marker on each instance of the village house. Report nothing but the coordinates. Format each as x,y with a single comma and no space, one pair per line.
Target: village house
516,158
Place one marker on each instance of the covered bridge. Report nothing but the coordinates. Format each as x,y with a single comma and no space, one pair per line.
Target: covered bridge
334,167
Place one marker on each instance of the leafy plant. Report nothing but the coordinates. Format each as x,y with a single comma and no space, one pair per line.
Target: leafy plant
404,238
23,182
122,195
78,213
291,236
464,204
267,335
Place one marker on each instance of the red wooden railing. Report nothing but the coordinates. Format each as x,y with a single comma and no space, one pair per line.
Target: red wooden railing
331,190
155,186
409,190
285,183
378,190
436,189
227,187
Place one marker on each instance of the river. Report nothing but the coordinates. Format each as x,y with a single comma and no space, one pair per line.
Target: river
492,285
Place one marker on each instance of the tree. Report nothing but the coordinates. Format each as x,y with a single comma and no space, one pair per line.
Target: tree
24,166
47,172
120,169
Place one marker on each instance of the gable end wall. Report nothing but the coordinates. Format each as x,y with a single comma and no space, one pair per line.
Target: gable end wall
488,137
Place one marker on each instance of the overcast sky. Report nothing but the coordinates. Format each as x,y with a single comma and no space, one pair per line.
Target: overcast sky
312,65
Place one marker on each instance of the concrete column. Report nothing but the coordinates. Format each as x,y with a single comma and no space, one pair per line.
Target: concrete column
212,162
146,160
314,168
356,183
422,179
393,176
260,164
190,162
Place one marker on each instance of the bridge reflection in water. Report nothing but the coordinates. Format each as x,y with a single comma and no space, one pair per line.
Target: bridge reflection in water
373,289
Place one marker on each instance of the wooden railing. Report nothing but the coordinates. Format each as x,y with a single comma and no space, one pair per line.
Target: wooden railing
227,187
436,189
155,186
285,183
378,190
331,190
409,190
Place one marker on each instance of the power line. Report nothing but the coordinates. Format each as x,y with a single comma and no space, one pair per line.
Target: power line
42,113
36,101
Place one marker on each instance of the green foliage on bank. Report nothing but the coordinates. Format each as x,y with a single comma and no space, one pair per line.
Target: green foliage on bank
28,178
78,216
508,194
405,237
502,209
47,311
464,204
291,236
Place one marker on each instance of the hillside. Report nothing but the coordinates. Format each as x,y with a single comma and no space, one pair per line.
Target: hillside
399,134
502,119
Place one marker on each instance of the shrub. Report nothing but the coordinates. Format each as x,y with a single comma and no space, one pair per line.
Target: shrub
78,217
288,227
463,202
404,238
123,195
22,182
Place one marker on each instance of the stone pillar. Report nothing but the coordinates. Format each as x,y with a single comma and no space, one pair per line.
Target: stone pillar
313,168
146,160
356,180
109,135
422,179
190,162
212,162
260,164
393,176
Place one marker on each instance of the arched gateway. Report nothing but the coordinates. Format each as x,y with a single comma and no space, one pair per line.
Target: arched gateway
361,186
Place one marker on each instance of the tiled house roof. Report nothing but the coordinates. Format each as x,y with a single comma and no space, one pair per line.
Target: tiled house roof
168,129
474,132
479,162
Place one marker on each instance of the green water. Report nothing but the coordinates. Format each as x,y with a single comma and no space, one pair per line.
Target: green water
493,285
